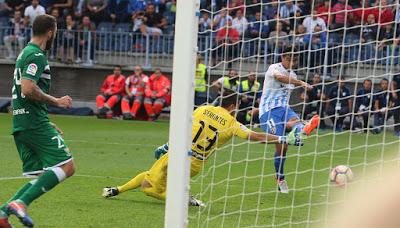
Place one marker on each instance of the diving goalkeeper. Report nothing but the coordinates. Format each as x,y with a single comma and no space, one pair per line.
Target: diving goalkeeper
212,127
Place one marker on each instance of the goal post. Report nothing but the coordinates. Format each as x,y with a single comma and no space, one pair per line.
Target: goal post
239,40
180,131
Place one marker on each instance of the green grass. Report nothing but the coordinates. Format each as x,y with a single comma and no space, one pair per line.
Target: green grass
237,183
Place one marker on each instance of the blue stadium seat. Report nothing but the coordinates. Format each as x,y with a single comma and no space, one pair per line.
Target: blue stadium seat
334,37
105,26
122,27
104,31
122,38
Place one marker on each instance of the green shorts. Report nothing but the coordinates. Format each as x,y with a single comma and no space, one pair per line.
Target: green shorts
41,149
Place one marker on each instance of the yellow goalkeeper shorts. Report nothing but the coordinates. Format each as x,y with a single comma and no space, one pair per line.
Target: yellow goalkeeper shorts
157,175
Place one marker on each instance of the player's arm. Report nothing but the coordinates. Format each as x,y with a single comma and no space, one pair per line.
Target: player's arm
263,137
290,139
57,128
290,80
245,133
32,91
30,75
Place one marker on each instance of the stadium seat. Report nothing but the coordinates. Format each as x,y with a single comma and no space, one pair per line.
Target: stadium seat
122,39
104,31
122,27
333,37
105,26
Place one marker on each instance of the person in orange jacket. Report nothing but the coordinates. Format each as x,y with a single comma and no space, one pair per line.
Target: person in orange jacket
135,86
111,92
157,94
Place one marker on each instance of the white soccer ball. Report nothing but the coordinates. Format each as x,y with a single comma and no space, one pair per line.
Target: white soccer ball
341,175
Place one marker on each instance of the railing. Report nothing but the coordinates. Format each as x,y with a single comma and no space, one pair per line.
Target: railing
128,48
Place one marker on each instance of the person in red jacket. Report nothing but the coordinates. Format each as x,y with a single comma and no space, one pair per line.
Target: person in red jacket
135,86
111,91
157,94
380,9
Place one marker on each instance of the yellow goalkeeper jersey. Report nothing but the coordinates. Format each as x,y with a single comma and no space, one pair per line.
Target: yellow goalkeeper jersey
213,127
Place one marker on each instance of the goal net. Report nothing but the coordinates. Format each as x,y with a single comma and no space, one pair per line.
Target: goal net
349,51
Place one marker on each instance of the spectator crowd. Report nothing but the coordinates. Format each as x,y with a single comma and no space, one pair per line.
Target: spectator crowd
312,25
365,108
278,20
79,20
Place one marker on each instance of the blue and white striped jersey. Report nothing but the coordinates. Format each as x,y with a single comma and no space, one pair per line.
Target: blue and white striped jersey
275,93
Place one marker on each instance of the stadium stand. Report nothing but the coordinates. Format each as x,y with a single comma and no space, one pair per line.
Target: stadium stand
130,32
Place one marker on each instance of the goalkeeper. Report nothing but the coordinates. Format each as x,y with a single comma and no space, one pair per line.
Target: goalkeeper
212,127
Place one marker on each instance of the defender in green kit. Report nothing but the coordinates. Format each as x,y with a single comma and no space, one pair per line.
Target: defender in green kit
42,150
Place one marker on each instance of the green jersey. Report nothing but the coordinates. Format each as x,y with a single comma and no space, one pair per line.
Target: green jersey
31,64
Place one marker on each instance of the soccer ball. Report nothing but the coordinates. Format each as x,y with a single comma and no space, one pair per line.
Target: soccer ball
341,175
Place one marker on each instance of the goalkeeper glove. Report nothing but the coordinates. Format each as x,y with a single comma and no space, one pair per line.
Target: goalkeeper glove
292,138
160,151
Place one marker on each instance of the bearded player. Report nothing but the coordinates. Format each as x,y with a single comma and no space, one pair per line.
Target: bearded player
212,127
275,114
42,150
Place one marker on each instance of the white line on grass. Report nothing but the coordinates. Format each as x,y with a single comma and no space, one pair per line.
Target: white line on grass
76,175
112,143
99,142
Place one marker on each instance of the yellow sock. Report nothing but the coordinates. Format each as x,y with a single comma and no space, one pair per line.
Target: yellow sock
132,184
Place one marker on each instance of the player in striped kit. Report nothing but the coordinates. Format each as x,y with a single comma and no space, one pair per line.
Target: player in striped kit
275,114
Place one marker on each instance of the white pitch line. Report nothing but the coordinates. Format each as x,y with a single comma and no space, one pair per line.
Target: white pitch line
13,178
111,143
128,178
105,177
76,175
104,143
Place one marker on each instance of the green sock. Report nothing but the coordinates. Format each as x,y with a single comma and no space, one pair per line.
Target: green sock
16,196
43,184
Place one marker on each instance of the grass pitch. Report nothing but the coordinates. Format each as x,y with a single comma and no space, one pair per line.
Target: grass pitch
237,182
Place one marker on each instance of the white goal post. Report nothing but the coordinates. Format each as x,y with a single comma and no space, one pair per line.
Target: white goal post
180,131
